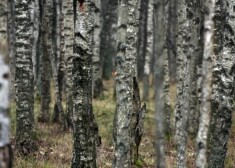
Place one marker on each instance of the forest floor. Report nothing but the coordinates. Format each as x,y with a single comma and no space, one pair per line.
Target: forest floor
55,146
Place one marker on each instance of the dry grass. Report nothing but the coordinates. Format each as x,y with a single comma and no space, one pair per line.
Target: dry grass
55,146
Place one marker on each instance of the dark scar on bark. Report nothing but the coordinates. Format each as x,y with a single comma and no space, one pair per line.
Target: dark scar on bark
81,2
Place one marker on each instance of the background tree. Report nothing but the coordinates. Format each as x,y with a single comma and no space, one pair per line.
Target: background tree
109,12
222,103
85,129
45,60
25,126
69,40
159,47
205,108
96,62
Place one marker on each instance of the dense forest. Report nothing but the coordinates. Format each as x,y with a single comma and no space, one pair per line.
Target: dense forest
117,83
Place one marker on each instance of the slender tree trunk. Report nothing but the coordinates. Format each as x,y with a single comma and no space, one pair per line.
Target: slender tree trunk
46,63
123,93
205,108
185,60
36,62
3,22
223,84
69,40
11,44
85,128
56,62
159,47
25,126
5,146
142,38
96,62
108,36
149,52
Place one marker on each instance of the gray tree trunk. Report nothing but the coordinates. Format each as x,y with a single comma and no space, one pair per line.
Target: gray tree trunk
69,40
159,47
205,107
5,150
123,93
142,38
25,126
108,36
149,51
3,22
96,62
223,84
46,63
56,62
85,129
36,61
171,39
11,44
185,61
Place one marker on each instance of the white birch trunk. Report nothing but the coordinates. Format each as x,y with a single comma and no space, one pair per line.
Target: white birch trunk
205,108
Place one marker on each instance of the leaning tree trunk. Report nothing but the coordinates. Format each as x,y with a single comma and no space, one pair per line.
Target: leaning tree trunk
223,83
25,131
69,39
85,129
5,146
159,47
97,85
205,107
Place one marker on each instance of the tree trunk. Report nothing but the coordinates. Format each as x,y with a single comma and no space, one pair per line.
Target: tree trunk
96,62
56,62
223,84
185,61
159,47
5,146
205,107
142,38
25,132
46,62
69,40
123,93
108,36
84,126
149,52
11,44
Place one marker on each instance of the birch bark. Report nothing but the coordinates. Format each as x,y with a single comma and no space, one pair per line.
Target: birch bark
85,129
223,83
159,47
25,129
205,108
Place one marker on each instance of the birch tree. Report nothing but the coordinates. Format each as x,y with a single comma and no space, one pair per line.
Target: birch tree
85,129
45,60
11,43
222,104
25,126
159,46
96,62
205,108
185,60
5,146
123,93
149,51
69,40
142,37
